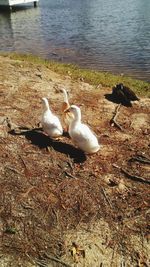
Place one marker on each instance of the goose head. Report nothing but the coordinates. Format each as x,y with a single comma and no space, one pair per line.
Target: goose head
119,86
76,112
45,103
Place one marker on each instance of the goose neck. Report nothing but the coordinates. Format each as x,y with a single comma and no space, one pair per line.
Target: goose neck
46,105
66,97
77,116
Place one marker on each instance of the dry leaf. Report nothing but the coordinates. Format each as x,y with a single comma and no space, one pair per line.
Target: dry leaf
76,252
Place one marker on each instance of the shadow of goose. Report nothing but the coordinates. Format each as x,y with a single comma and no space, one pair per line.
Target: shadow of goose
38,138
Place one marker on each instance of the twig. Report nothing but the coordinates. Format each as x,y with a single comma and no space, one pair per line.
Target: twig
56,215
56,260
113,253
122,264
107,199
134,177
29,257
116,166
70,175
16,129
142,239
46,213
140,158
10,124
23,161
24,195
14,170
113,120
70,164
22,130
26,206
41,264
26,171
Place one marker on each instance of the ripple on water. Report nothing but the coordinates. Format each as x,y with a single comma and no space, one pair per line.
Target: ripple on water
105,35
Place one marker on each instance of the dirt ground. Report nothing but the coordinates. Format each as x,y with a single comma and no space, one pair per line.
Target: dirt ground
58,206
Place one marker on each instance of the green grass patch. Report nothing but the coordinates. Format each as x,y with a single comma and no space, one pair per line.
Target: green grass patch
92,77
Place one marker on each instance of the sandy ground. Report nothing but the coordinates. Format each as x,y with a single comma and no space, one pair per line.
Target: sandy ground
57,203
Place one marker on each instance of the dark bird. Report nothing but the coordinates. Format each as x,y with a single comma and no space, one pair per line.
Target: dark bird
124,93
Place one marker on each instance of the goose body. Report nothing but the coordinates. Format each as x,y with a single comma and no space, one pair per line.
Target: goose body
50,122
66,117
81,134
125,93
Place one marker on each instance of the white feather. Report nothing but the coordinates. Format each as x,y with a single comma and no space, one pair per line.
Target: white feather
50,122
81,134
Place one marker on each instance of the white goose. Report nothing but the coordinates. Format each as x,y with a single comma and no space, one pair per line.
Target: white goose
81,134
66,117
50,123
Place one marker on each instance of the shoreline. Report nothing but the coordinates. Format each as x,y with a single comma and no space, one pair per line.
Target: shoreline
93,77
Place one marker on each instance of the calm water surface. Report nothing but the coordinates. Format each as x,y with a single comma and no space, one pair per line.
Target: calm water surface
112,35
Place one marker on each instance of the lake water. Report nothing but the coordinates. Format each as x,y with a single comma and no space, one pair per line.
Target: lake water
111,35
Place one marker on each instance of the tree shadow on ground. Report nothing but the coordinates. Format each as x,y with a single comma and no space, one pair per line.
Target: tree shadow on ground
117,100
38,138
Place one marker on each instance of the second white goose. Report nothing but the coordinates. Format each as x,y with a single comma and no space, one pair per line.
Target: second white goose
81,134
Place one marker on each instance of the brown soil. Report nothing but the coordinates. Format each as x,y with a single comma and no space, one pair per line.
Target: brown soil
52,194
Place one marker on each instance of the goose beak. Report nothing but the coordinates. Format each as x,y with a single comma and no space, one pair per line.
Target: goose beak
67,110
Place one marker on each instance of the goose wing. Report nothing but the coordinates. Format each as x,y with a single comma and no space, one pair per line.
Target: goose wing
129,94
83,133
